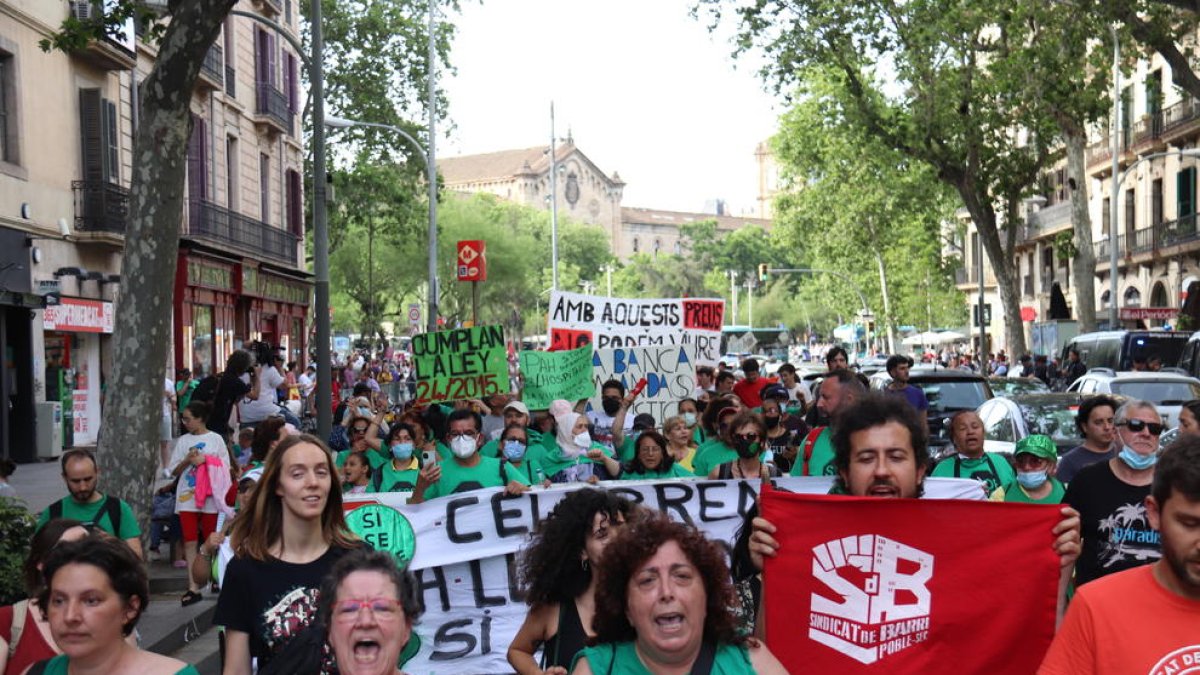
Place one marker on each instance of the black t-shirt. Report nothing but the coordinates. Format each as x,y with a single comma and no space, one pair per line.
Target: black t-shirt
230,390
270,600
778,446
1116,533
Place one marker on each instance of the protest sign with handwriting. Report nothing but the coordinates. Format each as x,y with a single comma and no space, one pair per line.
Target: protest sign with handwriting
453,365
553,375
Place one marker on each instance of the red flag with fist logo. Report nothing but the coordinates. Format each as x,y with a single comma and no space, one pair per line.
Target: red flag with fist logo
870,585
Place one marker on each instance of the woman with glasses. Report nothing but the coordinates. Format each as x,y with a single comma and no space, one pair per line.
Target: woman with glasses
746,436
285,541
514,451
558,573
362,435
652,460
369,605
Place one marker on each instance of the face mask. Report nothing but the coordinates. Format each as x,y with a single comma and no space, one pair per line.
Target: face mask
689,418
611,406
772,422
744,449
1135,461
364,412
402,451
1031,480
514,451
583,439
462,447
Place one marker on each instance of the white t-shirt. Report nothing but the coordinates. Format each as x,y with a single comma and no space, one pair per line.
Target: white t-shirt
307,384
799,393
168,392
265,405
602,426
213,445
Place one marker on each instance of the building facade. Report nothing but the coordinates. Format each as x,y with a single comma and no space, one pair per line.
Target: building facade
67,123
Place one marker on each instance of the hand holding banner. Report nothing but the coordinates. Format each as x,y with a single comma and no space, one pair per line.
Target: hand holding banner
556,375
928,586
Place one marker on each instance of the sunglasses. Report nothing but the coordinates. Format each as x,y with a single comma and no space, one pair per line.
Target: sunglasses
747,437
1137,426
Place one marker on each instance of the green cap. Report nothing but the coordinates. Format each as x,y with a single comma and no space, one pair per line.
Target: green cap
1038,445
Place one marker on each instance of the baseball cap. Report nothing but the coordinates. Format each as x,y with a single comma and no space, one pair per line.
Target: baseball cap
643,421
518,406
775,391
1038,445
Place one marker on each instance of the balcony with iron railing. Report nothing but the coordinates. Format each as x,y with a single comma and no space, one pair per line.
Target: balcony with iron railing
1153,239
1050,218
100,206
212,70
272,107
220,226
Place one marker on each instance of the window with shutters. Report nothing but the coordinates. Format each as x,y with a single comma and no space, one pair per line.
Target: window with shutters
291,84
197,160
1156,201
10,150
231,172
295,204
101,150
264,185
1130,215
1106,218
1185,191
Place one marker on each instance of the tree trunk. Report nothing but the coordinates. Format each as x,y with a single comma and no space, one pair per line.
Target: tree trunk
128,444
1083,267
984,217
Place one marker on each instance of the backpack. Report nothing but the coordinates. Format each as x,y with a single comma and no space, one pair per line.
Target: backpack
809,441
111,506
206,390
20,609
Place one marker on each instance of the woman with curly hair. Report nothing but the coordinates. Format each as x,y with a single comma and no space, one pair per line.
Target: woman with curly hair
558,571
662,605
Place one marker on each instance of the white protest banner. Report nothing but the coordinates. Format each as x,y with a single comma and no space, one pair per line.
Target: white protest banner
670,373
607,323
467,548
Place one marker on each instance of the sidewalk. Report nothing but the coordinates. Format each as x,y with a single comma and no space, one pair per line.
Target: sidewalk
40,484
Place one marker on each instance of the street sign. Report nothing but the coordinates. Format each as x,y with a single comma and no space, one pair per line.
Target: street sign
472,261
987,314
414,314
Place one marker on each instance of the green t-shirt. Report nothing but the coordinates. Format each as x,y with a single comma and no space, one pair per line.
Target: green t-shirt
821,461
530,469
59,665
459,478
675,471
183,393
1012,492
621,659
95,513
536,448
991,469
375,458
387,478
553,462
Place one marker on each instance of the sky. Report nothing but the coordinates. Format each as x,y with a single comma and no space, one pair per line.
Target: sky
644,89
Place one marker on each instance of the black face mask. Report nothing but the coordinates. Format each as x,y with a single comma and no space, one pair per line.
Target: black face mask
771,422
700,406
745,449
611,406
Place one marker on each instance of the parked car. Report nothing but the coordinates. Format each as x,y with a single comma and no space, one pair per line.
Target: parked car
1012,386
948,390
1190,359
1115,349
1007,420
1167,389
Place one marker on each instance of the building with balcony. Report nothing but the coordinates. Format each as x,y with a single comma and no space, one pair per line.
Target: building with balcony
67,123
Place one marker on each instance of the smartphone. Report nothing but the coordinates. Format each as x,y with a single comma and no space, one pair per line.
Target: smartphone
428,457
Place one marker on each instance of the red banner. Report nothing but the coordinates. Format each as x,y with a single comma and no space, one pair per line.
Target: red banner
565,339
869,585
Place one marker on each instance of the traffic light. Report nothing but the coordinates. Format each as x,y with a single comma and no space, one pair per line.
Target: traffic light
762,272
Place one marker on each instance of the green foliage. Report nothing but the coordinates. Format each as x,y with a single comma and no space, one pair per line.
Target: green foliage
17,526
1064,245
74,34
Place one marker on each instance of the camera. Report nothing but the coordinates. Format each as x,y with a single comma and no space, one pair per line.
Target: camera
263,353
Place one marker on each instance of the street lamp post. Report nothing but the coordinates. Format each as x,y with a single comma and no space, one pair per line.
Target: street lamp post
1116,183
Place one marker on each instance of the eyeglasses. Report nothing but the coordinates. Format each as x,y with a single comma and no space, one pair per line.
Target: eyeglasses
1137,426
459,434
360,430
383,609
747,437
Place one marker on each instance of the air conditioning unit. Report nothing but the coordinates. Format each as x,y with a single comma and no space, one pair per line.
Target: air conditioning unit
84,10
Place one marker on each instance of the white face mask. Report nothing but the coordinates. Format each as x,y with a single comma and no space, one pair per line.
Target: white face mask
583,439
462,447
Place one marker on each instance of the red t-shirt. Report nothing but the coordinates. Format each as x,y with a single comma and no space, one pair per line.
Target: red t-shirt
1126,623
31,648
751,392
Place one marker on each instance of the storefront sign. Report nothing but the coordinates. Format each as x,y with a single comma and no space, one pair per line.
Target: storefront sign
454,365
1151,313
75,315
47,286
609,323
79,406
209,275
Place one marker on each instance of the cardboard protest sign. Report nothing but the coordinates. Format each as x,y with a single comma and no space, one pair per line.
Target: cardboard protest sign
670,373
453,365
552,375
468,544
903,585
608,323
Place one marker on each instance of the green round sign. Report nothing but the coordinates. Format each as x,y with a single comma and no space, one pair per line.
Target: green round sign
384,528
